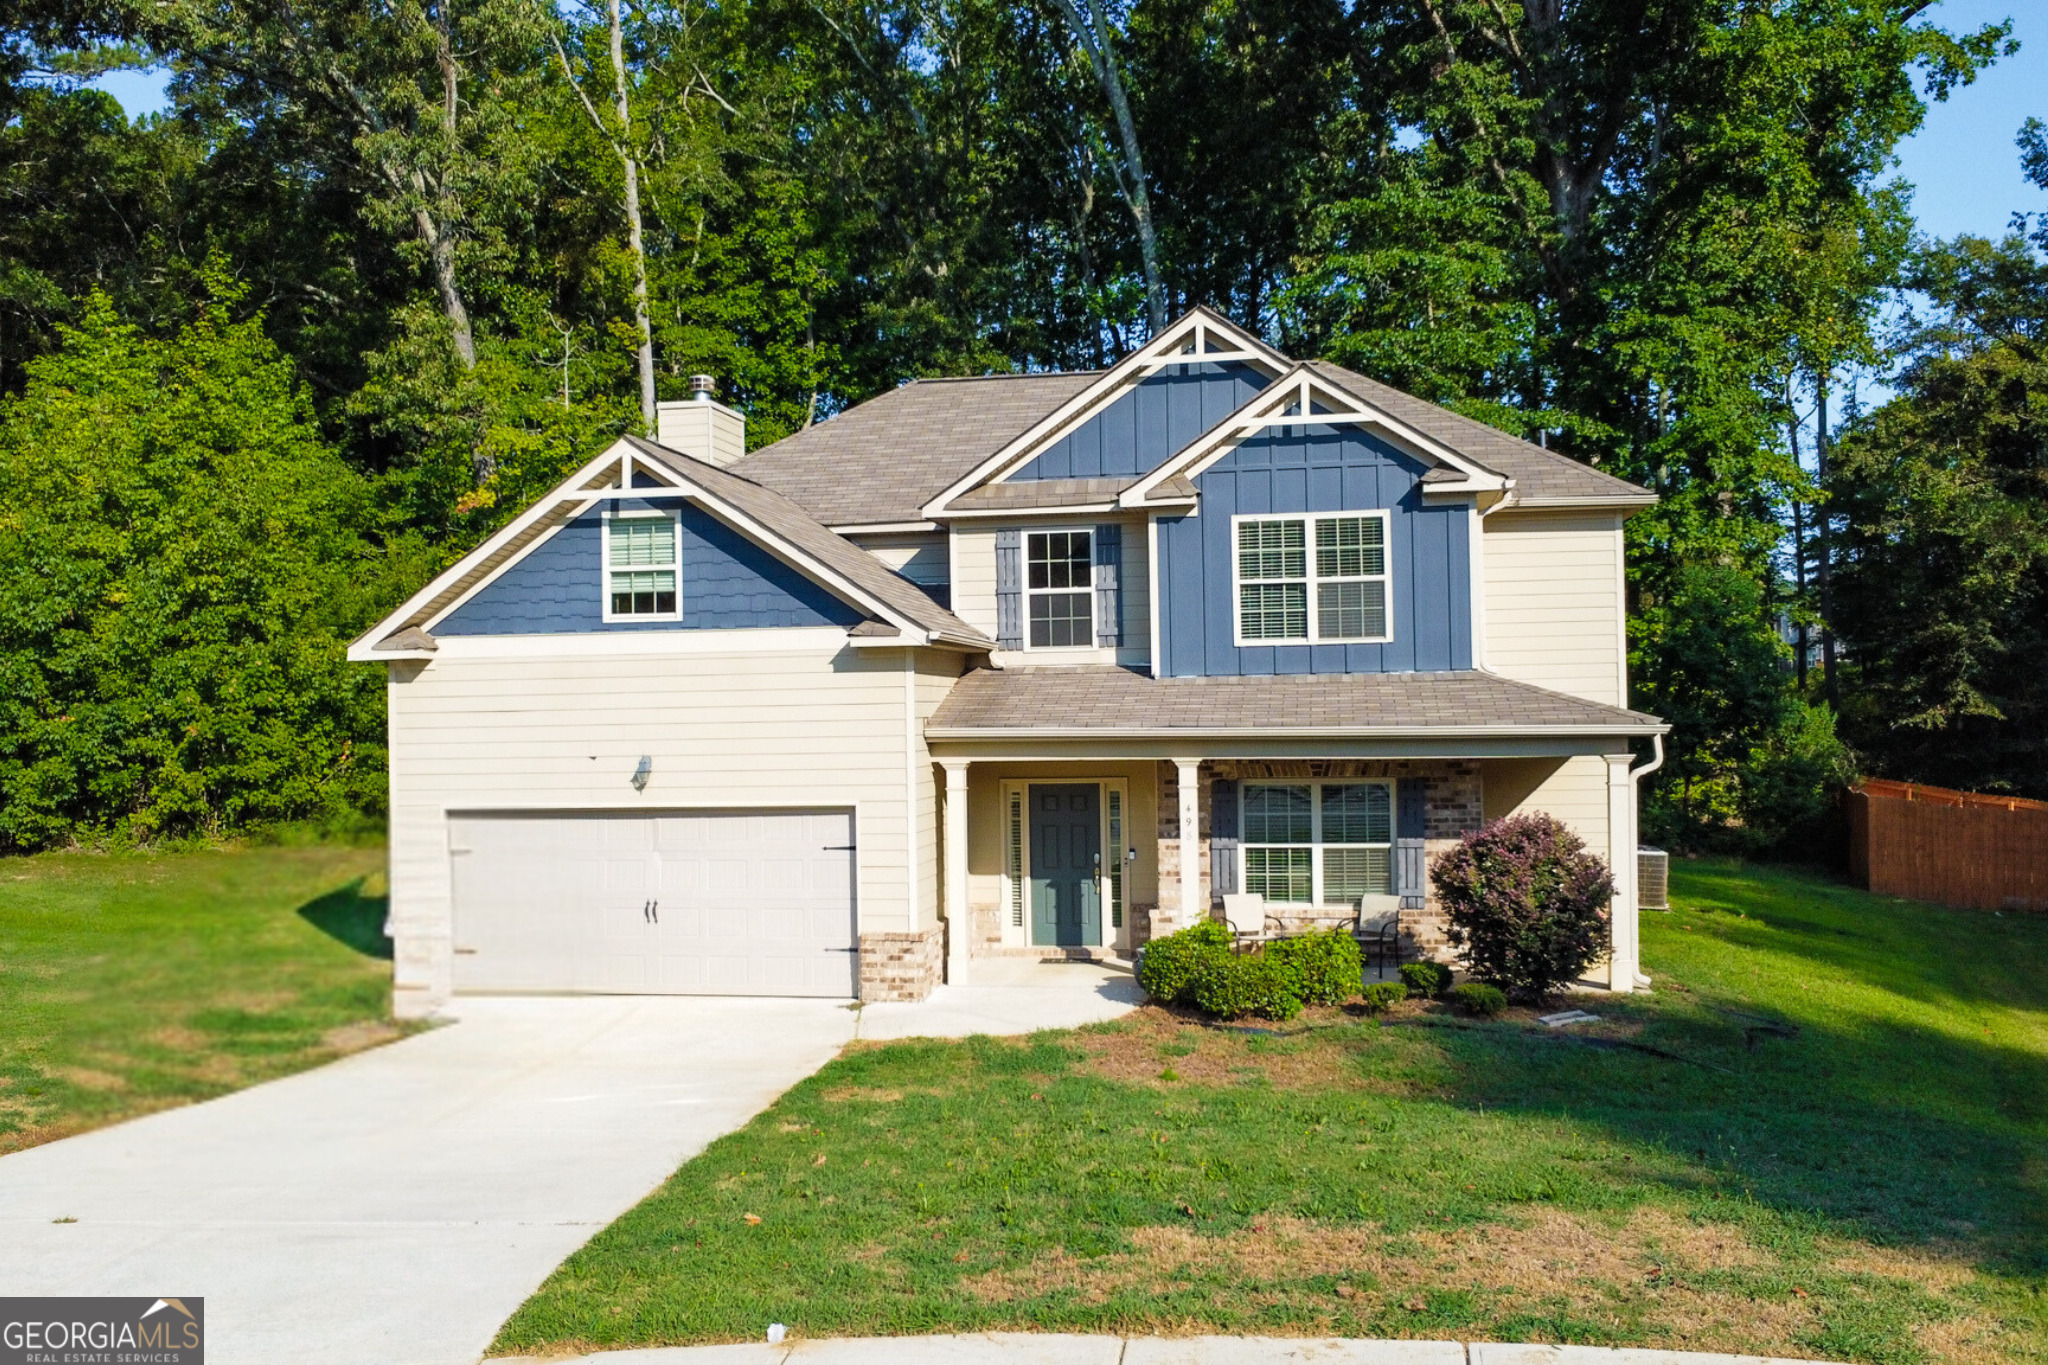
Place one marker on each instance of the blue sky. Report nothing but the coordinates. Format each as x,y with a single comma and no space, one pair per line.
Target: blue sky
1962,164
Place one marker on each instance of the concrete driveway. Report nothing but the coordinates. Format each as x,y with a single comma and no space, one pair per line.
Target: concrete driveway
395,1207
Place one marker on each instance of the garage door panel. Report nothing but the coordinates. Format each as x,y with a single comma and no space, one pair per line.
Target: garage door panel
727,902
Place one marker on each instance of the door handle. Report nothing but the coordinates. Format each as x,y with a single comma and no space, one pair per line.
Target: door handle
647,912
655,907
839,848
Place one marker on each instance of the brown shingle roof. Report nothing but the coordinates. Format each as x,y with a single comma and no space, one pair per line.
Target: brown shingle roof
1030,493
1105,701
1541,476
885,459
784,518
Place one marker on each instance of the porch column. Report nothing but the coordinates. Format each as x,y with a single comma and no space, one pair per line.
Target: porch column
1192,910
958,920
1621,861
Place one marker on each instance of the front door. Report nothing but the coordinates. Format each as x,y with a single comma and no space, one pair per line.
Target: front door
1066,864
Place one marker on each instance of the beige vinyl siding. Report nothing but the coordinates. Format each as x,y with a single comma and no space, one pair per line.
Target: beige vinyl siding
923,559
974,576
1553,607
818,727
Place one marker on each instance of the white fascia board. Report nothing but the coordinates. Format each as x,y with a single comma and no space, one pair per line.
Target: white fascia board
1449,732
576,488
1155,354
1015,513
883,528
1620,502
668,642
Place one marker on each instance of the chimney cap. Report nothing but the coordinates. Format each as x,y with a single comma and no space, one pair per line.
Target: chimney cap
703,388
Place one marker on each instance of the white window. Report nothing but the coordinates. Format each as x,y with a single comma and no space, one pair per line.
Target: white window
1313,580
1059,589
642,566
1318,843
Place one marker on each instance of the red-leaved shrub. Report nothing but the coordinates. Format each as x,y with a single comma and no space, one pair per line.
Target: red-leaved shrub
1527,904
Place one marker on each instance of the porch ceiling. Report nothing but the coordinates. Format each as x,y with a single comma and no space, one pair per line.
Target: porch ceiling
1078,711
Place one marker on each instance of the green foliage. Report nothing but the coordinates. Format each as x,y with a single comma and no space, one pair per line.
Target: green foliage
1382,996
1168,965
1232,985
1942,596
1325,965
1429,979
1527,903
181,565
1478,999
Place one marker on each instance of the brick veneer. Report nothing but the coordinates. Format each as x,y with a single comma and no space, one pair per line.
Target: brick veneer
901,966
1455,806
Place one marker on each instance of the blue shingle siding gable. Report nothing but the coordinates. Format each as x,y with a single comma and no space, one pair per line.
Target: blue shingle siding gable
1316,469
1159,415
728,582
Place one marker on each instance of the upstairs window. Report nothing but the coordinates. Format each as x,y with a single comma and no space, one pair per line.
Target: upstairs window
1059,589
642,567
1312,580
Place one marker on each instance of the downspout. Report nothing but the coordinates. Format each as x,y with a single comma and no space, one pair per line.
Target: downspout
1635,777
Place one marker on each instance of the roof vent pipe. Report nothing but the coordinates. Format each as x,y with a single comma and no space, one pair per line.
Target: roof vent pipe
703,388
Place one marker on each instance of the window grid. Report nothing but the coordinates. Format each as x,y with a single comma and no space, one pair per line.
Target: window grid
644,564
1337,594
1321,843
1059,588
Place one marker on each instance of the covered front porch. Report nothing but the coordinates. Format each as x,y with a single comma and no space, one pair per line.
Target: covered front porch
1085,841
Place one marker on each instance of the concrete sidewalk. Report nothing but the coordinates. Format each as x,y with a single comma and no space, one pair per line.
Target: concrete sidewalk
1049,1348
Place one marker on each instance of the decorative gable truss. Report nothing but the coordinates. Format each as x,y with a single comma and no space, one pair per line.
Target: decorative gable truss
1198,337
896,612
1302,398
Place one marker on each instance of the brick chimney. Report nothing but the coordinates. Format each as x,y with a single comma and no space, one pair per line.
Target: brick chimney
702,428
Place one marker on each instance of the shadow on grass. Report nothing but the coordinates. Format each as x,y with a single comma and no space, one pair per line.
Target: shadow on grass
352,918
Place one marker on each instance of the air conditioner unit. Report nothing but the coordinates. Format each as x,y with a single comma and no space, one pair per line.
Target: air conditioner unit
1653,879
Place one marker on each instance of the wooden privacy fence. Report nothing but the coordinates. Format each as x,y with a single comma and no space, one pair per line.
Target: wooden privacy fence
1950,847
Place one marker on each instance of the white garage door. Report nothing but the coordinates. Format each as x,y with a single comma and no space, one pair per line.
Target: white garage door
742,902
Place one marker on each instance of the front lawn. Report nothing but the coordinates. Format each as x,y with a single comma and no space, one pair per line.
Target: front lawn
133,982
1825,1134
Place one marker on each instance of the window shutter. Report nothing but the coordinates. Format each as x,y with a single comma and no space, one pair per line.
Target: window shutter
1411,826
1109,611
1223,836
1010,589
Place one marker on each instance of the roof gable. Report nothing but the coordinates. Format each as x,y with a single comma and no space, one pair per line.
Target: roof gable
1199,336
633,469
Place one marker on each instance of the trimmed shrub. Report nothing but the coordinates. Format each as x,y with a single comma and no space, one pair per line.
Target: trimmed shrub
1430,979
1527,904
1383,996
1167,966
1231,985
1326,965
1478,998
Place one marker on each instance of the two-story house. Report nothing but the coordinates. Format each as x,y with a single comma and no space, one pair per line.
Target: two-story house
1010,665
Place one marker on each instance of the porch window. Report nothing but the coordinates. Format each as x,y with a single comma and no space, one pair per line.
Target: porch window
1059,585
642,566
1312,580
1323,843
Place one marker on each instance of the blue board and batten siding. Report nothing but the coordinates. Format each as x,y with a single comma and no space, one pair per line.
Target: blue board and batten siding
728,583
1316,469
1157,417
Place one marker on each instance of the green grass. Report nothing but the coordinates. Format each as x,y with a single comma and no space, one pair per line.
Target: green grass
132,982
1825,1134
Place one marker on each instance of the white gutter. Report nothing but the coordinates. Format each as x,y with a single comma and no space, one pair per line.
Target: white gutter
1308,732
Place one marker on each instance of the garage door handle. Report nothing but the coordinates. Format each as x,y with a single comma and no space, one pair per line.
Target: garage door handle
839,848
654,908
840,950
647,912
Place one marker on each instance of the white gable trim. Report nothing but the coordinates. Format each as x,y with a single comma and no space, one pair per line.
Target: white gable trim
1291,401
1198,329
571,498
